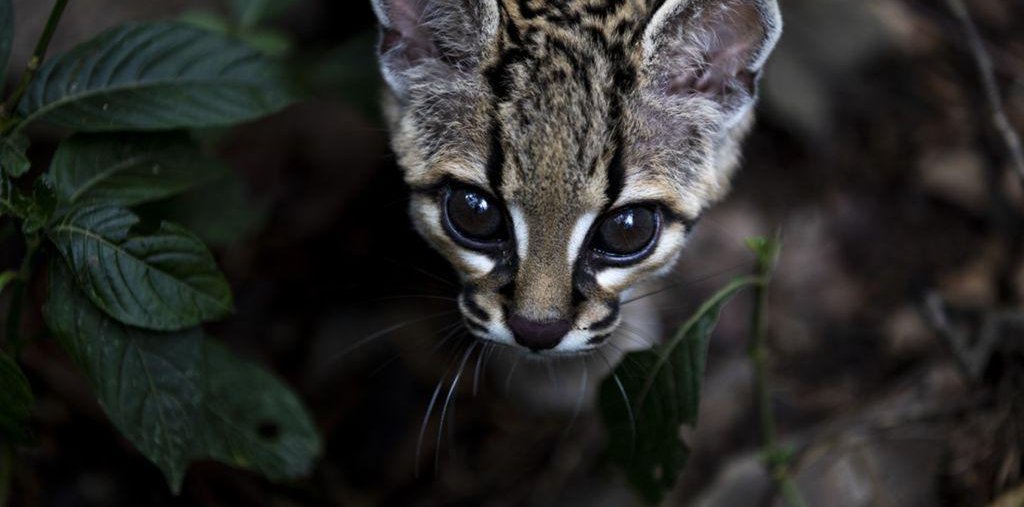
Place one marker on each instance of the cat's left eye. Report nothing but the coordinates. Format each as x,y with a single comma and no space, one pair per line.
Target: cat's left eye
627,235
475,219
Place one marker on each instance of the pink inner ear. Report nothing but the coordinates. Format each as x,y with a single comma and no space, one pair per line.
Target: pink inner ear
729,38
407,30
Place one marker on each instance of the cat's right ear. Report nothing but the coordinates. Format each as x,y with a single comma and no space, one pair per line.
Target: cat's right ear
427,39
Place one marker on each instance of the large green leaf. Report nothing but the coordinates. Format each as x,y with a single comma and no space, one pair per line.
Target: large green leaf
249,13
13,161
149,383
164,280
129,169
15,399
662,387
6,37
156,76
251,420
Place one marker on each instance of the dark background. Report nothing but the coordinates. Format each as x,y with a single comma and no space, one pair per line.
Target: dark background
875,156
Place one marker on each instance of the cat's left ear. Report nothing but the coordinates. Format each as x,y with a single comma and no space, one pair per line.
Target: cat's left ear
433,39
714,49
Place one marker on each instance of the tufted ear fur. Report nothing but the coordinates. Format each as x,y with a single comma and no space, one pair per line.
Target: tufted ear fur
423,39
712,49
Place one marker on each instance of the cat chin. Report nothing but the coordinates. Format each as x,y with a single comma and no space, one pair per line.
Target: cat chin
552,383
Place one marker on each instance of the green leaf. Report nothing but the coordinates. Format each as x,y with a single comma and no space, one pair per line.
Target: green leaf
253,421
662,387
156,76
15,400
165,280
221,213
13,161
6,37
148,383
249,13
6,278
129,169
766,249
34,210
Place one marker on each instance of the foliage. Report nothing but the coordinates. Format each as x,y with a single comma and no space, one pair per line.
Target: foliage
127,296
652,394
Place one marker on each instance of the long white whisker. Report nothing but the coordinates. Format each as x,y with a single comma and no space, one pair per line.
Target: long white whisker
625,399
479,364
426,418
384,332
511,371
579,400
448,399
683,283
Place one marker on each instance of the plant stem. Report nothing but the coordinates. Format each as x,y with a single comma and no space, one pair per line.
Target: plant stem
18,294
778,467
35,61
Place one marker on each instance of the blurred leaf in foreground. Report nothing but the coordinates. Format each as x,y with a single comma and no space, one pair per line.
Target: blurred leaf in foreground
653,393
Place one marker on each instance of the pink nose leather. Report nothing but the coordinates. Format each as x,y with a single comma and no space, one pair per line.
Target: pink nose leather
538,336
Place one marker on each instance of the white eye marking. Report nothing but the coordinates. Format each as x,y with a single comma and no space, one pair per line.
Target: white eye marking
521,230
669,245
480,264
579,235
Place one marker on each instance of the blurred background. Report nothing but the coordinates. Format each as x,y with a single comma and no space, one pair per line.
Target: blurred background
897,337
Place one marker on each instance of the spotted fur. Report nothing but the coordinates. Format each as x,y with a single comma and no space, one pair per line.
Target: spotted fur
565,110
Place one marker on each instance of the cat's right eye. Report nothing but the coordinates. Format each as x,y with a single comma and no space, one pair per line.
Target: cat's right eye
475,219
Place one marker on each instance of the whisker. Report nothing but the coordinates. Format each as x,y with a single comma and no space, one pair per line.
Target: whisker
403,297
447,401
457,326
422,271
426,418
639,336
691,281
579,400
552,377
476,373
452,329
384,332
625,399
512,371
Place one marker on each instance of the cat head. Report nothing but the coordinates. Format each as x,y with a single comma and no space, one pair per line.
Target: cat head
559,153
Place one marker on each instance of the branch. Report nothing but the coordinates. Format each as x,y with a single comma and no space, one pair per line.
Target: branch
36,61
986,73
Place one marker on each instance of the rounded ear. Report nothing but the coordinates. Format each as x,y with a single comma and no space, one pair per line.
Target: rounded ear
431,37
714,49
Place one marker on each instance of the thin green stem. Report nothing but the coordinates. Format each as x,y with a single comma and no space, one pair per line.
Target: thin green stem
34,62
776,458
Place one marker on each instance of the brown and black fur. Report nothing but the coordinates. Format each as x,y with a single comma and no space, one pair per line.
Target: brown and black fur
564,111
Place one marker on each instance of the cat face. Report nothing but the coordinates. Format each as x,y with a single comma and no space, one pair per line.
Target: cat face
560,152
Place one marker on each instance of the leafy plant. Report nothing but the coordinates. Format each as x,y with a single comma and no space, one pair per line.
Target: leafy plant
128,296
652,394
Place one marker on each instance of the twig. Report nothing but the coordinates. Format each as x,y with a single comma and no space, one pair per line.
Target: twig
36,60
972,355
986,73
777,459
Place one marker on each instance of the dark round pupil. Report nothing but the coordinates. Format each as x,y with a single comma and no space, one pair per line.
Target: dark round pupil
626,232
474,216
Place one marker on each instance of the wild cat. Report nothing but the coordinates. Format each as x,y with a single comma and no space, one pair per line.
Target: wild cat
560,152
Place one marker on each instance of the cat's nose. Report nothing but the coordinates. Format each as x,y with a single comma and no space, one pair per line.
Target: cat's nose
538,336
